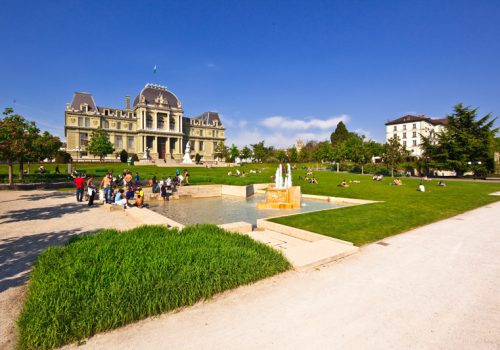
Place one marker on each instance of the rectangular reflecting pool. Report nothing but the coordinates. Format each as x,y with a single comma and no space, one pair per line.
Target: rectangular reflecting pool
226,209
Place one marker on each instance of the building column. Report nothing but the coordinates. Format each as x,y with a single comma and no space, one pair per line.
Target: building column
168,121
179,145
167,147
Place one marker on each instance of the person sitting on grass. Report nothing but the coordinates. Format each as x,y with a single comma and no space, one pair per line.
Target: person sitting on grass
421,187
343,184
313,180
442,184
230,173
238,173
397,182
119,199
243,174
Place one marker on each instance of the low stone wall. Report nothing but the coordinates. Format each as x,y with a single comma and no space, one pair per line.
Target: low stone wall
202,191
36,186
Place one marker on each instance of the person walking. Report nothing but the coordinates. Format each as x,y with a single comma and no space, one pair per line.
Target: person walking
91,190
57,170
80,183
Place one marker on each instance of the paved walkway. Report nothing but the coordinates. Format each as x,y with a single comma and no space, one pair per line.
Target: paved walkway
30,221
436,287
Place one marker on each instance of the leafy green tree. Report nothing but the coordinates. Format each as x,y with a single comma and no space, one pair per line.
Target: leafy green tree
466,144
246,153
394,153
357,151
17,136
63,157
221,151
304,155
260,152
234,152
281,156
99,144
323,152
340,134
293,155
46,146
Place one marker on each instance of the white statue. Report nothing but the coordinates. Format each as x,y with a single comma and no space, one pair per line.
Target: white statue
187,157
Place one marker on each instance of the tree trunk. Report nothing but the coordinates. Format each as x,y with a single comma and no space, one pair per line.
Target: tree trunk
337,167
21,168
362,169
11,171
392,171
29,167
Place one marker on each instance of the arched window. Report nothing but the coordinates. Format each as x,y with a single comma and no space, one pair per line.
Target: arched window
149,122
172,123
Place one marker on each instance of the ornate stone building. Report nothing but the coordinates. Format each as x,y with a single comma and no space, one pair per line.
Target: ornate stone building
155,123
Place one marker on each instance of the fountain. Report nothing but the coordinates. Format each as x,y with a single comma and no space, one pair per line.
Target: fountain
282,195
187,157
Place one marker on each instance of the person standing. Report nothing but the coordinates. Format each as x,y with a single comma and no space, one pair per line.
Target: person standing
80,183
106,185
137,178
57,170
91,189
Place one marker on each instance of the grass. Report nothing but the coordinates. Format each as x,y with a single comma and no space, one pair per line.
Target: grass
103,281
402,209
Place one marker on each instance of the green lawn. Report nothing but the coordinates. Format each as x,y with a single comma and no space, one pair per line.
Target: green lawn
402,209
103,281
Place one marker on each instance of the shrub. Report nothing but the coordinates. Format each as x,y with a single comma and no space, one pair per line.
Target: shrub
123,156
135,158
103,281
197,158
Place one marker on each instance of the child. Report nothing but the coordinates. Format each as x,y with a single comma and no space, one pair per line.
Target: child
163,190
119,198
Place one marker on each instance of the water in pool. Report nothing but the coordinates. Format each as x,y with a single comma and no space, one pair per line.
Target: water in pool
226,209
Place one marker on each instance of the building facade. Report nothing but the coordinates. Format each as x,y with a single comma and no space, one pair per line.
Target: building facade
410,129
154,125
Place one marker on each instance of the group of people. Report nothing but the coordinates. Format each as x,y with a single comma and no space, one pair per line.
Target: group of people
238,173
112,190
164,187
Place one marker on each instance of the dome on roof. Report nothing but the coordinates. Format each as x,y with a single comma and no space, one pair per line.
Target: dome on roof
153,94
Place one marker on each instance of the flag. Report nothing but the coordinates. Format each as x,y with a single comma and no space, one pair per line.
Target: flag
154,69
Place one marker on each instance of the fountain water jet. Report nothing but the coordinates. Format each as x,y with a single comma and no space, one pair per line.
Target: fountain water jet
283,195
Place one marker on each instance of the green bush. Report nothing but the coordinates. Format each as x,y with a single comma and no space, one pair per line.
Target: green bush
123,156
103,281
135,158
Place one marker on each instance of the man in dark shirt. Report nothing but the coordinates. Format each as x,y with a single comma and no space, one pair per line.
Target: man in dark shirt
80,183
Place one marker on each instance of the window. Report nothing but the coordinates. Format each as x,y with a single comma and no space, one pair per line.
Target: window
404,127
215,133
105,124
84,139
119,113
201,145
118,141
201,132
414,142
130,142
395,136
80,121
130,126
118,125
106,112
160,123
414,126
395,127
215,146
404,135
414,134
149,122
172,124
404,143
191,143
87,122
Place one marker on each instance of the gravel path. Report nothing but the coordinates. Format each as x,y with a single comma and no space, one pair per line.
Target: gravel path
436,287
30,221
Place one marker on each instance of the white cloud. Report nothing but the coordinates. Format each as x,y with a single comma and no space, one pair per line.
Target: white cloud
367,133
300,124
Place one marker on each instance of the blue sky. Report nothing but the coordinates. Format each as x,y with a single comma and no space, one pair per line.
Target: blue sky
274,70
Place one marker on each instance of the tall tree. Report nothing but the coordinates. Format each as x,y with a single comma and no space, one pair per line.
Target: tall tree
47,146
260,152
17,136
394,153
357,150
293,155
340,134
281,156
323,152
99,144
234,152
466,144
246,153
221,151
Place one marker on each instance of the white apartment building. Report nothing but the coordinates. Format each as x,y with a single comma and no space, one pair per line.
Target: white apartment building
410,129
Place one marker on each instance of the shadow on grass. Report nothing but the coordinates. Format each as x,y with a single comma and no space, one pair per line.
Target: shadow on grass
44,213
17,254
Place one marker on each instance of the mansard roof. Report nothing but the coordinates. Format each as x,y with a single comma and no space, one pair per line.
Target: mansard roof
209,118
151,92
81,98
418,118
